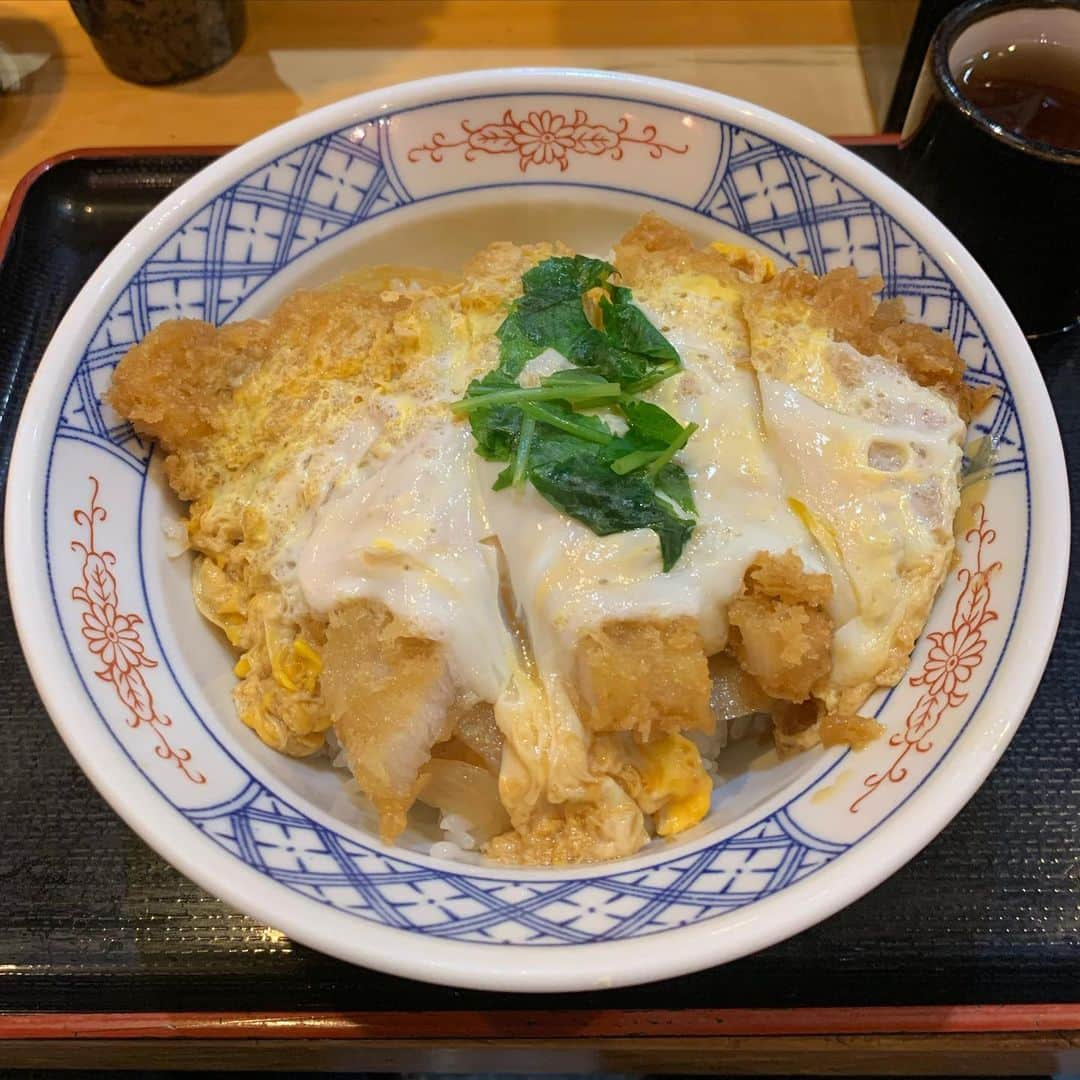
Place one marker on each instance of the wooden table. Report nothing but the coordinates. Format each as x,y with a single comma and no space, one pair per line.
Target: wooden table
795,56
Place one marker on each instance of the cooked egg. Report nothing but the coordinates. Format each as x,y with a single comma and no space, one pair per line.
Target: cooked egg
409,533
871,463
351,547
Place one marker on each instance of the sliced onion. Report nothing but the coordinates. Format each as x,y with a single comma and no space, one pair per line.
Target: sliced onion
468,791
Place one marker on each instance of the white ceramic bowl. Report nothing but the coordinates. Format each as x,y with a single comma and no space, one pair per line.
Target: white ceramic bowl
139,686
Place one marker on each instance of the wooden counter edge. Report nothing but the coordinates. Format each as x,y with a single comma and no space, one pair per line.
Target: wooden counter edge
938,1040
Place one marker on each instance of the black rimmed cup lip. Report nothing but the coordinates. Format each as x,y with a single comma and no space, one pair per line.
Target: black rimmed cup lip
946,35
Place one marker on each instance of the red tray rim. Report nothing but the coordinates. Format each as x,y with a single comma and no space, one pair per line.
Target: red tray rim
547,1024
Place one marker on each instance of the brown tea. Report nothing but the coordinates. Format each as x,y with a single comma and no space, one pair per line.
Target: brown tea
1030,88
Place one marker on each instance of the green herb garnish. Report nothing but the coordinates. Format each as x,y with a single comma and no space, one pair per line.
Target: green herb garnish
587,489
627,349
611,483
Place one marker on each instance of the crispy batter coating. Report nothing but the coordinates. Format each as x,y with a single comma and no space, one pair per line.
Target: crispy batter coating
391,697
780,631
654,244
177,385
844,303
644,676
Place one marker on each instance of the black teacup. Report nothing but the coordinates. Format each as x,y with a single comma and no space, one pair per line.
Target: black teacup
1005,177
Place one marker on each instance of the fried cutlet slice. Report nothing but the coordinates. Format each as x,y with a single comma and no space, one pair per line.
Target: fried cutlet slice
391,695
238,410
780,628
221,400
648,676
781,636
863,415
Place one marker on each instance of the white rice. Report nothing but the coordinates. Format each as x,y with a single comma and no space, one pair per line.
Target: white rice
728,730
335,751
445,849
460,843
176,537
457,828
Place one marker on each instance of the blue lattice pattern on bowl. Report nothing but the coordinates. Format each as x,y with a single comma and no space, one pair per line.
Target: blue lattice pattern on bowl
281,211
263,830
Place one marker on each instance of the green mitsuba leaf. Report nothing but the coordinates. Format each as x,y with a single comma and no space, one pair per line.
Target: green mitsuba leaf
585,488
516,347
496,428
673,482
629,330
626,349
651,423
549,313
566,276
611,483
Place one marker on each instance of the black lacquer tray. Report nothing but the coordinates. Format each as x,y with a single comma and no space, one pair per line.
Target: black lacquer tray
91,920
